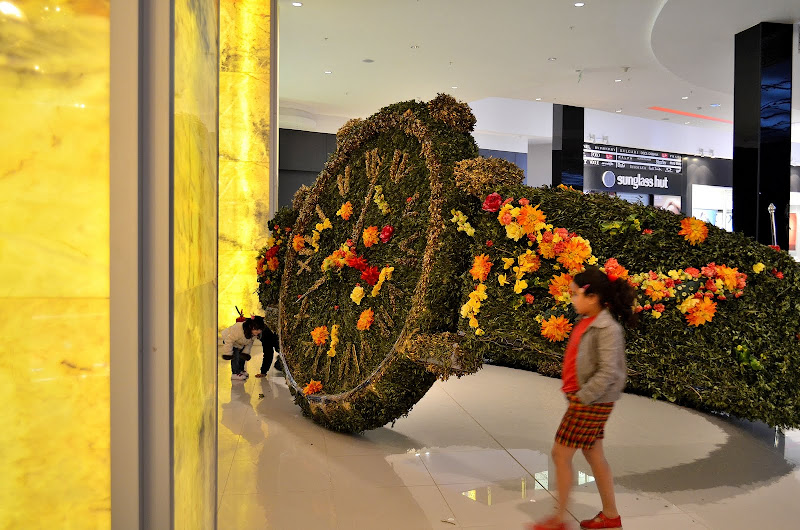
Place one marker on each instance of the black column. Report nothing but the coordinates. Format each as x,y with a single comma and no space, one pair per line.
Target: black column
762,101
568,146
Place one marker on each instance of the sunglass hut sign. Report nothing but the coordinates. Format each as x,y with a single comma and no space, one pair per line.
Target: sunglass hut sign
612,168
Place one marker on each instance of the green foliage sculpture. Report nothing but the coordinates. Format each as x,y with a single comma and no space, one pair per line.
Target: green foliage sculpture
411,259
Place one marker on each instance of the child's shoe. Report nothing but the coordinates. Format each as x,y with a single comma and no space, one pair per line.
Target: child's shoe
549,524
238,377
601,521
261,375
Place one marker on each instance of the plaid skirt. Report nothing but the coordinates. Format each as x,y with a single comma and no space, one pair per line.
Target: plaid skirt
582,424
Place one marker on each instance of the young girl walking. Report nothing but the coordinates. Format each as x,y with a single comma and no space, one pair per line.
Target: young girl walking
236,343
593,375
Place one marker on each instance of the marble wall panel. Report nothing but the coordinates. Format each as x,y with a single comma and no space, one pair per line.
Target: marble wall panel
195,261
245,130
54,264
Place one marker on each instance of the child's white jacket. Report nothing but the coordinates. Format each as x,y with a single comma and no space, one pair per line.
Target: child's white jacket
233,337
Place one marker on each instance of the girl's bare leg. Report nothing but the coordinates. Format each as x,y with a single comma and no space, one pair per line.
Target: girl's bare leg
603,478
562,456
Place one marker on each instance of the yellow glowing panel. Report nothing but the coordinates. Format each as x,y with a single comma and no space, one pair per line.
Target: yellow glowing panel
54,265
195,262
244,168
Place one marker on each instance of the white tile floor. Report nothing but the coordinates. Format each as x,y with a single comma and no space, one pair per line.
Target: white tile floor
474,454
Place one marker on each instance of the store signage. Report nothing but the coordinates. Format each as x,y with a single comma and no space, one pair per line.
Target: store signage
625,169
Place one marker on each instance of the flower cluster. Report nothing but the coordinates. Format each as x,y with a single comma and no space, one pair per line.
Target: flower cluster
473,306
370,236
334,340
325,224
481,267
462,221
380,200
556,328
386,274
320,335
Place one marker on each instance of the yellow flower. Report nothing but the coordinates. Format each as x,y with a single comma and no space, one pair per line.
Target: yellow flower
508,262
298,243
514,231
468,229
518,272
529,262
479,332
688,304
592,260
675,275
520,286
758,267
656,314
345,211
357,295
386,274
501,279
334,340
473,322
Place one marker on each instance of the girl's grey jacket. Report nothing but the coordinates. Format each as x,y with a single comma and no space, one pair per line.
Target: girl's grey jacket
601,368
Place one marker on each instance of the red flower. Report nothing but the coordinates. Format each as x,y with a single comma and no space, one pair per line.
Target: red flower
492,202
507,201
711,286
529,298
691,271
710,270
775,247
562,232
559,247
721,297
647,231
489,242
547,237
648,307
356,262
336,307
409,199
371,275
524,202
271,253
659,307
778,274
386,234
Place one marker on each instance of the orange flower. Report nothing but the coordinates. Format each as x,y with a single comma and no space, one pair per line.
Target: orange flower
345,211
272,264
365,320
702,312
260,266
312,388
529,262
614,270
729,276
655,289
576,251
693,230
481,267
320,335
556,329
531,218
559,287
298,243
370,236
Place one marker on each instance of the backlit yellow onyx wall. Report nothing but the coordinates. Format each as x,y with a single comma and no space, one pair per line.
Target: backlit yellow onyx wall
195,261
54,264
244,151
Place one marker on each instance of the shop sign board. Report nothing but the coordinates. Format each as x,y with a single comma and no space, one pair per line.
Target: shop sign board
630,170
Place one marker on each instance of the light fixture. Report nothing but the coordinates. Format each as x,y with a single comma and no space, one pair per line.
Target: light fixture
711,153
685,97
618,80
414,46
618,111
328,72
538,99
297,4
552,58
7,8
58,9
36,67
453,87
714,105
687,122
579,4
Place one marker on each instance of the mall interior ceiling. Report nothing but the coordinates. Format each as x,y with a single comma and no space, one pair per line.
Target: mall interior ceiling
349,58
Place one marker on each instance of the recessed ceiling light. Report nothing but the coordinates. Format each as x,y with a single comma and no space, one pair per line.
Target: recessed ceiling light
714,105
618,110
618,80
7,8
414,46
687,122
579,4
328,72
538,99
685,97
297,4
453,87
552,58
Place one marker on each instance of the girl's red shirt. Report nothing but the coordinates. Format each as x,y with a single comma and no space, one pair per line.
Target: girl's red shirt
569,371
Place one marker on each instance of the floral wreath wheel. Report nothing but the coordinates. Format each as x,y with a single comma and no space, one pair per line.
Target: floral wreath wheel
369,293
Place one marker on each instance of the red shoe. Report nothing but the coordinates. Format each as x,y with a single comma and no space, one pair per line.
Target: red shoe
601,521
548,524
